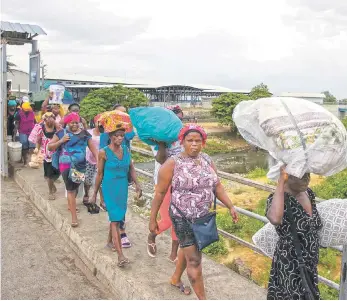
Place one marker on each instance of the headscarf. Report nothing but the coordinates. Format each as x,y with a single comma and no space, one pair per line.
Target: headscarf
192,128
25,99
47,115
12,103
72,117
176,109
26,107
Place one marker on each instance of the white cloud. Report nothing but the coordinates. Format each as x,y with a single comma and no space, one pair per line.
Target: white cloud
294,45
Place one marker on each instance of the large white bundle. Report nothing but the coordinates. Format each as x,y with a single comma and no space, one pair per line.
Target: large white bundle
296,132
334,232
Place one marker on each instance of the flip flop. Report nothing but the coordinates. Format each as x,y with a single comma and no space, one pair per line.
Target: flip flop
173,261
123,263
74,225
186,290
111,246
154,249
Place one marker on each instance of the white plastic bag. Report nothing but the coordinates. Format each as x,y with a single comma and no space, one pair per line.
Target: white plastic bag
296,132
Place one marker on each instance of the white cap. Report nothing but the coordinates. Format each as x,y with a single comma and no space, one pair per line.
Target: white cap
25,99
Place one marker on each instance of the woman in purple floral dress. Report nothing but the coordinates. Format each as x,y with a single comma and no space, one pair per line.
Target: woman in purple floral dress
194,182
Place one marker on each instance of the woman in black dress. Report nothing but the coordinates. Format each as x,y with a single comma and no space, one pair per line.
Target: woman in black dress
285,282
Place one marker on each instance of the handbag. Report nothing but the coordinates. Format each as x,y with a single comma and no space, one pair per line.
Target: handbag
204,228
308,286
75,175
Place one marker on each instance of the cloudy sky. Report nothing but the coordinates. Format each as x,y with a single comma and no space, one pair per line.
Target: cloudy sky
290,45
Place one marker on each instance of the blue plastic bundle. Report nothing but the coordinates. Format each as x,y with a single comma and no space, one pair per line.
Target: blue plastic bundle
155,123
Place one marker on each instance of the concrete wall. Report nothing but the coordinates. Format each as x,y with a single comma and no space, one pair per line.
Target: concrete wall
20,81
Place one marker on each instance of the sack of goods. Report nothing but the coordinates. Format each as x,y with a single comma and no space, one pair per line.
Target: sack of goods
296,132
114,120
155,123
334,232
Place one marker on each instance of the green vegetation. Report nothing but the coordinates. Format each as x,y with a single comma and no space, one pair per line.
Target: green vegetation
344,122
257,173
216,249
139,158
329,98
333,187
101,100
219,145
260,91
223,106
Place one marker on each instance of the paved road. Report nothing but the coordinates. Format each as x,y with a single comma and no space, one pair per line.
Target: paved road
36,263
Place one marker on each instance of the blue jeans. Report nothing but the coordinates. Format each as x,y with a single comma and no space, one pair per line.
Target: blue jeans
24,140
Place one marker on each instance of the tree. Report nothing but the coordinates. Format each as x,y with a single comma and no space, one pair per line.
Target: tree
223,108
344,122
101,100
329,97
10,66
260,91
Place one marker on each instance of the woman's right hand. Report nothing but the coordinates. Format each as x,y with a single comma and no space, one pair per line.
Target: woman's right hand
153,226
66,138
284,175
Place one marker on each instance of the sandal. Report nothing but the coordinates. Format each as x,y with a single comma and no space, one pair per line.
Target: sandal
103,207
186,290
152,250
125,242
110,245
74,225
123,262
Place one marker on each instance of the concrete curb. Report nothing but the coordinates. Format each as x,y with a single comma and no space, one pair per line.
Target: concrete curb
102,267
146,278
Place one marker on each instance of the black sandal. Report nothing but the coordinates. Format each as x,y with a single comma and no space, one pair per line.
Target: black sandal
186,290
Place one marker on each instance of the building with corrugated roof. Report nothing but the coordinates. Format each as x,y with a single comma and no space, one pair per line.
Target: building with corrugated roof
314,97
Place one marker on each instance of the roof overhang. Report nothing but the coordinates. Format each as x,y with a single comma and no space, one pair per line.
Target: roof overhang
19,34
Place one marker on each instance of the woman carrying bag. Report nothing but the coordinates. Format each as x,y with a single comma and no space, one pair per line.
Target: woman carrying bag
292,209
195,185
70,146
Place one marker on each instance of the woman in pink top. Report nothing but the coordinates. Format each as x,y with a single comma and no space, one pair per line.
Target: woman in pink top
194,181
91,168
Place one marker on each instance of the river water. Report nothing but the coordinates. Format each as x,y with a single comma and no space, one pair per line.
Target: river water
236,162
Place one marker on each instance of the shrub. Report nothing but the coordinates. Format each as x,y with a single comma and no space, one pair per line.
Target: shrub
333,187
217,249
257,173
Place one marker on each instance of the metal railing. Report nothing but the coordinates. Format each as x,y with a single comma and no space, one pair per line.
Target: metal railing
342,288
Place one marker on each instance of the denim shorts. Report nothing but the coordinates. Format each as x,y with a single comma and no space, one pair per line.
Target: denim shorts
24,140
183,230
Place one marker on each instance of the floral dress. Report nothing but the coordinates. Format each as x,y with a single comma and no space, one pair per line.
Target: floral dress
285,282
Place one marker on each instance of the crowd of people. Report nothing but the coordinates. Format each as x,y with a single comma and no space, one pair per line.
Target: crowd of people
186,185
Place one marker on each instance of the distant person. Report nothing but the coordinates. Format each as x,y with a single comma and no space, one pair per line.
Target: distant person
91,169
293,205
194,181
24,123
162,152
11,112
45,136
114,164
75,108
71,144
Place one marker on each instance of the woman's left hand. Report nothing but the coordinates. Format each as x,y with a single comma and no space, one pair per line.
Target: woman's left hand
234,214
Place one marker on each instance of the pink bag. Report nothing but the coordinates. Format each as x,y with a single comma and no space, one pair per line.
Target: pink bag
35,133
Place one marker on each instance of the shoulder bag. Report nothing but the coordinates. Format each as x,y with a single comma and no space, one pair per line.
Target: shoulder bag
306,282
204,228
